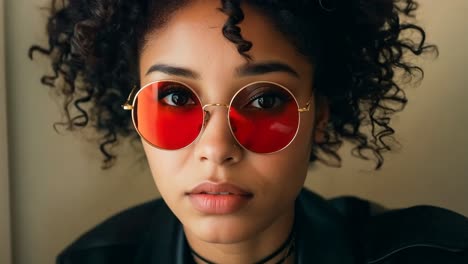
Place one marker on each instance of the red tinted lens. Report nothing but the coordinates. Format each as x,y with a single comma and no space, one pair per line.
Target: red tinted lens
168,115
264,117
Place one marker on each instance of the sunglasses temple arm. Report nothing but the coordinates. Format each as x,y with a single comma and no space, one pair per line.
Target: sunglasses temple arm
307,107
127,105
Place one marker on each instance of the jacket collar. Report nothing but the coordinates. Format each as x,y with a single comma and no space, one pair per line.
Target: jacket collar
320,236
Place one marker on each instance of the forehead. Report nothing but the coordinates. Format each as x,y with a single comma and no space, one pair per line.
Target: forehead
192,38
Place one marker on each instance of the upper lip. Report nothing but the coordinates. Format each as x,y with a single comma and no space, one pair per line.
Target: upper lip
209,187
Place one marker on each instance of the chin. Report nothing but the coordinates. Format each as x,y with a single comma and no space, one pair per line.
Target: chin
221,229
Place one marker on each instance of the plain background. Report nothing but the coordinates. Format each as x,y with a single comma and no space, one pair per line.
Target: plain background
58,191
5,245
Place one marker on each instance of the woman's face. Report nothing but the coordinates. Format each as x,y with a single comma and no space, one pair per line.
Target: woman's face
266,185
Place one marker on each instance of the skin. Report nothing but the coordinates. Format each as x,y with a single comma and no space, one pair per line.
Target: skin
192,40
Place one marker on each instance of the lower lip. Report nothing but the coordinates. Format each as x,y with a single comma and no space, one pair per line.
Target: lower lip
218,204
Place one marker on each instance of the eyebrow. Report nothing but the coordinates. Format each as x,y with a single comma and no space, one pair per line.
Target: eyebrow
249,69
173,70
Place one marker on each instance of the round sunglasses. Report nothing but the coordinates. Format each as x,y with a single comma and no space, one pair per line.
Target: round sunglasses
263,116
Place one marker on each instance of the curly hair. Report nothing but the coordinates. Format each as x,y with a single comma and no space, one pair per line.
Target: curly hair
358,49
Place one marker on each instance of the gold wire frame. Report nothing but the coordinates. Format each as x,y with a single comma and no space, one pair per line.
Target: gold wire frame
134,93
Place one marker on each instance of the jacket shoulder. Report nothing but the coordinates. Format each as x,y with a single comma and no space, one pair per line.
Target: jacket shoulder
116,239
421,234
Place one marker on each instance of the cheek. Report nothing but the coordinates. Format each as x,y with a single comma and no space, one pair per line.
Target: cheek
295,158
166,167
286,170
301,147
288,166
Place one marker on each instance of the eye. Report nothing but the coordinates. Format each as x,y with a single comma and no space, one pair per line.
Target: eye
268,100
176,95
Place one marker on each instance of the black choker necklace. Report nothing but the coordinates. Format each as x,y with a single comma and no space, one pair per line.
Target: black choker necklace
289,244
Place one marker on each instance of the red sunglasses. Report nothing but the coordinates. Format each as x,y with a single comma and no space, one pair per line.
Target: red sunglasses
263,116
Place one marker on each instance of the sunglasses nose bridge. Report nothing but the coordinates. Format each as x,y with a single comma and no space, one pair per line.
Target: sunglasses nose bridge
207,113
210,105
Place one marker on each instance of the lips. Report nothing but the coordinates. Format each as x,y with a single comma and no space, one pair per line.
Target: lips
220,189
210,198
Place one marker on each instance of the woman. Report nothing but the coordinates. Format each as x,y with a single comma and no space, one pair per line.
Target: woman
232,101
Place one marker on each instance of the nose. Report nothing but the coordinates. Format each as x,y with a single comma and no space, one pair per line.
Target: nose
216,144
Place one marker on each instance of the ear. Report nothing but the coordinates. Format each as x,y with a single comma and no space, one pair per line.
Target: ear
322,116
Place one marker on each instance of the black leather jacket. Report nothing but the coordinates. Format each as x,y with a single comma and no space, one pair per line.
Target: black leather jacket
337,231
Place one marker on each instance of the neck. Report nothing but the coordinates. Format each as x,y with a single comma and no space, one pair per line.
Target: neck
277,241
279,256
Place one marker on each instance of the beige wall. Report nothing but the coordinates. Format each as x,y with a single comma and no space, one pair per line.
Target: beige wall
5,235
58,190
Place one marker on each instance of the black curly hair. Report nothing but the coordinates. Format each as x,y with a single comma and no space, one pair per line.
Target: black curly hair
358,49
